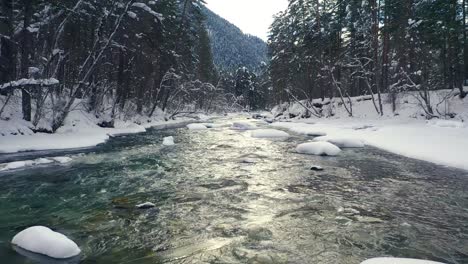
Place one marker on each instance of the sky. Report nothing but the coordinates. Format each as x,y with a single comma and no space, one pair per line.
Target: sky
251,16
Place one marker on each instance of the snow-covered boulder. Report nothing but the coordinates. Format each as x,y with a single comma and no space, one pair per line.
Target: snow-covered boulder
146,205
269,133
398,261
42,240
196,127
168,141
62,160
342,142
318,148
243,126
212,125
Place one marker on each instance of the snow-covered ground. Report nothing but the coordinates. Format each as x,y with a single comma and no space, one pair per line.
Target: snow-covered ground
407,133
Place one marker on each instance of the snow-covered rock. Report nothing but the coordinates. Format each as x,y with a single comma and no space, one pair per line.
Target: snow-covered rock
146,205
168,141
342,142
398,261
212,125
241,125
29,163
269,133
42,240
316,168
318,148
196,127
62,160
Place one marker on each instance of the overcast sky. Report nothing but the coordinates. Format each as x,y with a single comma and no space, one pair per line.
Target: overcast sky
251,16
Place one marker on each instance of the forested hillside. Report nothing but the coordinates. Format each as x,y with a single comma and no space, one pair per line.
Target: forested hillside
327,49
231,47
115,59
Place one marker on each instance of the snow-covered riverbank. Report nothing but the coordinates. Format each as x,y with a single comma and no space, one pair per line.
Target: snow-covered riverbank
440,142
80,131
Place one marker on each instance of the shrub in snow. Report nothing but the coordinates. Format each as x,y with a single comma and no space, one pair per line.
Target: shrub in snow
398,261
196,127
269,133
318,148
243,126
42,240
211,125
342,142
168,141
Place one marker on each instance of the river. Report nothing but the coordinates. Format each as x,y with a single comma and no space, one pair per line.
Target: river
222,196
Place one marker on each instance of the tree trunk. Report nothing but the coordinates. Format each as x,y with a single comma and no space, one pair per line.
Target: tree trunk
25,58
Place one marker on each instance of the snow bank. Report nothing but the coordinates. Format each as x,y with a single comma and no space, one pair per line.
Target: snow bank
301,128
145,205
318,148
196,127
10,144
398,261
168,141
42,240
240,125
342,142
269,133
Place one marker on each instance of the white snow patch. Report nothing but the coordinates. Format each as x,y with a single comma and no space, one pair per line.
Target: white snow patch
269,133
318,148
342,142
196,127
42,240
168,141
398,261
242,125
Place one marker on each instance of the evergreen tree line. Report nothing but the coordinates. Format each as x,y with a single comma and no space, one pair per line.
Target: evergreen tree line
113,58
344,48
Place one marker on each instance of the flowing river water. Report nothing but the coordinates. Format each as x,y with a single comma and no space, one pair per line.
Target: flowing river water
214,205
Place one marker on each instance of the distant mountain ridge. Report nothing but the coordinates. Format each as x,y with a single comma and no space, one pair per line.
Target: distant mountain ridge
231,47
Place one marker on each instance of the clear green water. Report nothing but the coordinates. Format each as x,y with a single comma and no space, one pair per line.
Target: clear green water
212,208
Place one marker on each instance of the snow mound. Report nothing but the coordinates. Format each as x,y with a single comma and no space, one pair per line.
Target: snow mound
196,127
342,142
446,123
398,261
269,133
243,126
318,148
42,240
168,141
